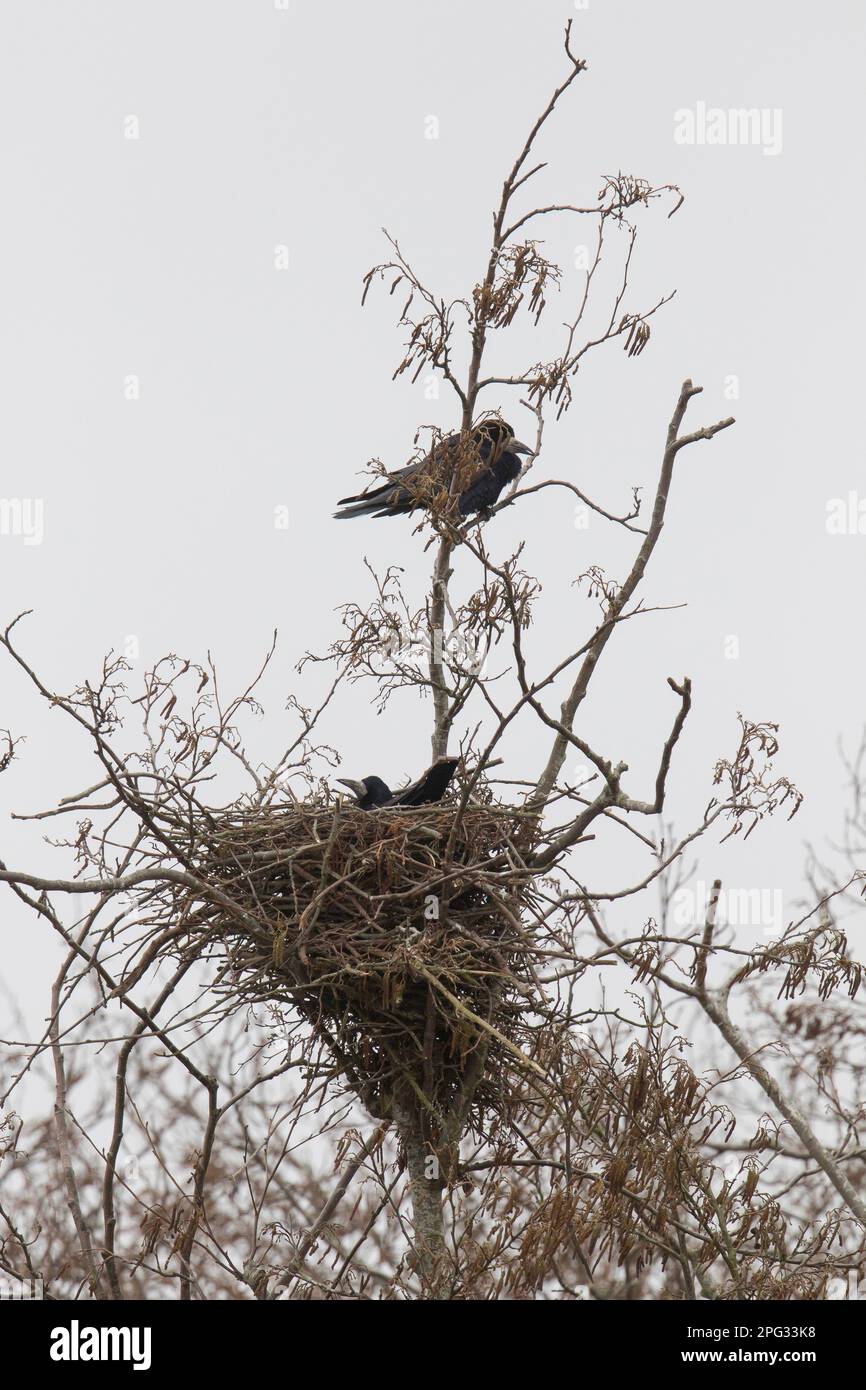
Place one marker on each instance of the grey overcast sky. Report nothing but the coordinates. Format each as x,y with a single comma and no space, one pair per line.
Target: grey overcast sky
155,155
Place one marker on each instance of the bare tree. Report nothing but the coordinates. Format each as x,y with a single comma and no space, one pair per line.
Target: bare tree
267,980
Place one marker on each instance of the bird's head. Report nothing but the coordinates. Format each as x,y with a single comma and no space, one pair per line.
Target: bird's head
494,437
370,791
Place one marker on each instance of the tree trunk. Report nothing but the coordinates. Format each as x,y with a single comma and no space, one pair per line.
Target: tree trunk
426,1193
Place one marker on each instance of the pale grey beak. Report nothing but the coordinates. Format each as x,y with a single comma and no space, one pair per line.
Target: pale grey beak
357,787
517,448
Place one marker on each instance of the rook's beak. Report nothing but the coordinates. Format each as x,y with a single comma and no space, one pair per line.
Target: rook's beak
517,448
357,787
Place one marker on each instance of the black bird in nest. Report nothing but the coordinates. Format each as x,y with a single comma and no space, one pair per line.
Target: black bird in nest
487,460
371,792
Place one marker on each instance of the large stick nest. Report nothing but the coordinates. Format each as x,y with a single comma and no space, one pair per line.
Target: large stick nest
398,934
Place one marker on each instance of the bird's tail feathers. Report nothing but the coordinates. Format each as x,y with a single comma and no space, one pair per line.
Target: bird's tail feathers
371,508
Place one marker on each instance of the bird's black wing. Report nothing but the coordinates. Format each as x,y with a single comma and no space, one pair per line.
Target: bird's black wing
392,495
402,490
431,787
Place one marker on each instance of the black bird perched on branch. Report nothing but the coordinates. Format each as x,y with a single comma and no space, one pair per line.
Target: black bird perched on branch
372,792
487,460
